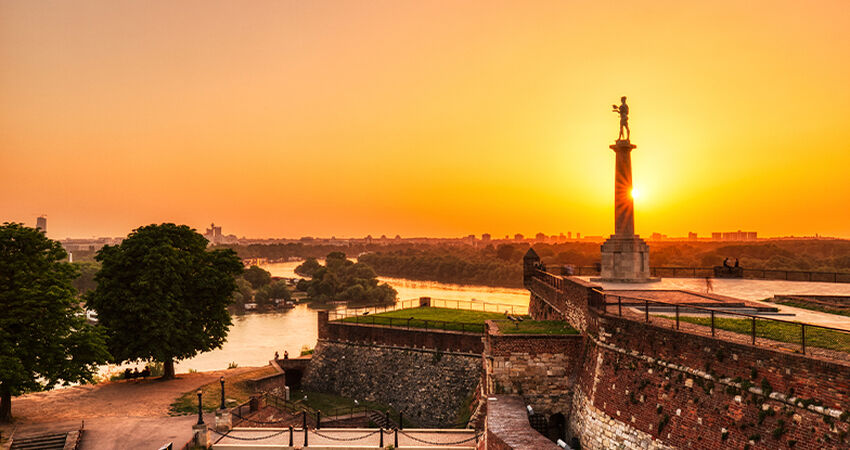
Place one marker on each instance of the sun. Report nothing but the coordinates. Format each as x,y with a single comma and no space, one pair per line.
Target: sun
635,193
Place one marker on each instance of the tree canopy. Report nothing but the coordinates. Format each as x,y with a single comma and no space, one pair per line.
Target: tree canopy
257,276
308,267
161,295
343,280
44,337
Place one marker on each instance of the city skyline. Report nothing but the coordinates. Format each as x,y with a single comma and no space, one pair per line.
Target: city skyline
337,118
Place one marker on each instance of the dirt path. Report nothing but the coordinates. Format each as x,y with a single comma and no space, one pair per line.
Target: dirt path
130,398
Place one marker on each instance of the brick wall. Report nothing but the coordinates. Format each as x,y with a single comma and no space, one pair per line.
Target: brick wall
644,386
688,390
538,369
442,340
563,296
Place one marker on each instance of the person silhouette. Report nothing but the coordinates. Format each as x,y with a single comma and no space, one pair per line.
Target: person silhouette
623,111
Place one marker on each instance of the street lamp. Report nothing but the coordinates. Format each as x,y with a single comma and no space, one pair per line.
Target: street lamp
200,409
221,380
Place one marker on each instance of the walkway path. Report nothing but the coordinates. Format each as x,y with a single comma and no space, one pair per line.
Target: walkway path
135,410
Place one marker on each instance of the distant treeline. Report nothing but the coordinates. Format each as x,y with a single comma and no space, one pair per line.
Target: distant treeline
459,265
502,265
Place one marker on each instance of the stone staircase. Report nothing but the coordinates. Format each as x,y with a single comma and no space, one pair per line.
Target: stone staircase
43,442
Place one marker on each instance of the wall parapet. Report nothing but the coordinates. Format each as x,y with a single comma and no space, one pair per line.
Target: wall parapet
439,340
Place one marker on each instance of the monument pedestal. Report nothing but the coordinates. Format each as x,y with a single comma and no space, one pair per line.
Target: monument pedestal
625,259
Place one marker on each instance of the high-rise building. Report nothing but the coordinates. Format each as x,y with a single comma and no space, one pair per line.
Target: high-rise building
692,236
41,223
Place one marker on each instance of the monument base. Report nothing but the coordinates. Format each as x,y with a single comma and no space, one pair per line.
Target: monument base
625,259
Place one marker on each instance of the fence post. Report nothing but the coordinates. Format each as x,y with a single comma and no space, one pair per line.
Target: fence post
803,326
381,433
712,323
754,330
318,419
646,310
305,436
400,421
290,436
395,440
677,316
620,305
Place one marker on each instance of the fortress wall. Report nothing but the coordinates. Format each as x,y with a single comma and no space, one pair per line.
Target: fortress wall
539,369
440,340
558,297
427,386
640,382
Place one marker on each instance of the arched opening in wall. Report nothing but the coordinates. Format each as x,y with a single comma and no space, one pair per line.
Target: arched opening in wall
557,427
293,378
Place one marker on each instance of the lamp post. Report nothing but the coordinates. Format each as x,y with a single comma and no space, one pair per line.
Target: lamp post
200,408
221,380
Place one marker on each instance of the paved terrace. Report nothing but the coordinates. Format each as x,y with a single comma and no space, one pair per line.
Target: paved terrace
341,438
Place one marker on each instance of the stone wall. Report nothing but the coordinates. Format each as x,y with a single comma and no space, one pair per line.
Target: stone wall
539,369
429,387
564,296
441,340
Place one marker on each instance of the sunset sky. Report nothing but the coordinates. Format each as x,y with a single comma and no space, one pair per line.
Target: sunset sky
347,118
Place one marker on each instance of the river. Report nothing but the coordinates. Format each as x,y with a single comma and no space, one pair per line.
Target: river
254,338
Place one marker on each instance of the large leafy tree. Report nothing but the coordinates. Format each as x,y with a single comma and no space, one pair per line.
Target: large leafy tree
44,337
161,295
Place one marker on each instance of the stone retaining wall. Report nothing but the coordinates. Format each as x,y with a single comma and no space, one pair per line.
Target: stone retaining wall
429,387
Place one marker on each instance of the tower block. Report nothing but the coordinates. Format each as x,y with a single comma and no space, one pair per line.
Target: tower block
625,256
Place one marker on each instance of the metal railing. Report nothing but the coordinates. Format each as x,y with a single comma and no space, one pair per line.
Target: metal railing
703,272
619,302
464,305
409,323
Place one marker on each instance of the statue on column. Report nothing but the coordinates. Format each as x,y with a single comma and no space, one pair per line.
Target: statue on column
623,111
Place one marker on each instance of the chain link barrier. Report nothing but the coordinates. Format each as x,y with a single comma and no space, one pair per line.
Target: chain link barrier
241,438
357,438
423,441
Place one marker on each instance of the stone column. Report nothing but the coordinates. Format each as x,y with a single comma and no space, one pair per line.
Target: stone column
624,206
223,420
625,256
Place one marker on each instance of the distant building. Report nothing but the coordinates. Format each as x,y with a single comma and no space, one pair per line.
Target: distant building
692,236
561,237
735,236
657,236
518,237
41,223
540,237
486,237
578,235
569,235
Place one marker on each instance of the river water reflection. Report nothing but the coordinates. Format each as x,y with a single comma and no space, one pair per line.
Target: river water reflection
254,338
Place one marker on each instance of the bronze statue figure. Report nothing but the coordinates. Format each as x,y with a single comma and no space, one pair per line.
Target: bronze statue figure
623,111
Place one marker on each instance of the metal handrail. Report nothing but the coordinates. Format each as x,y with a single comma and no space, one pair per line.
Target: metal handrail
554,281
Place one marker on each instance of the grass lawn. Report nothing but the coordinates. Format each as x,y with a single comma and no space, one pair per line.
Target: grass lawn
813,307
777,331
426,317
536,327
235,388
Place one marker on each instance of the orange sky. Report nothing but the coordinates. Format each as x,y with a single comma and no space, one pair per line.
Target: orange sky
347,118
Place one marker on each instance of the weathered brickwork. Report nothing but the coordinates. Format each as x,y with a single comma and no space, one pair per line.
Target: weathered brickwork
429,387
600,431
704,393
566,297
644,386
540,369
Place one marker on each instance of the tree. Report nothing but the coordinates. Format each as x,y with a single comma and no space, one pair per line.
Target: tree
308,267
44,337
162,296
257,277
85,282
